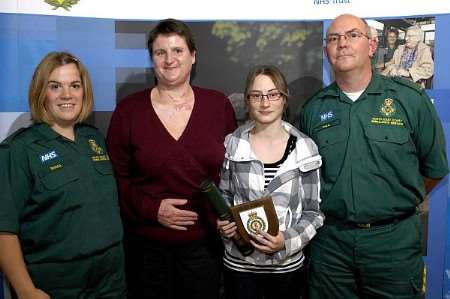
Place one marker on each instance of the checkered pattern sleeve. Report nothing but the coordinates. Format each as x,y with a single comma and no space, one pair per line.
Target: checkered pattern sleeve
300,234
225,184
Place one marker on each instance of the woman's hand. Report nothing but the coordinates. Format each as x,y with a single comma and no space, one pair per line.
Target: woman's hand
226,228
267,243
172,217
35,294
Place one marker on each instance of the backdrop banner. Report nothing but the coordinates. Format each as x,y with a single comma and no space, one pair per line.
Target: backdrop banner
110,38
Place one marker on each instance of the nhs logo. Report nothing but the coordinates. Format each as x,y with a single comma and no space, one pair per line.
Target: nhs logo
48,156
326,116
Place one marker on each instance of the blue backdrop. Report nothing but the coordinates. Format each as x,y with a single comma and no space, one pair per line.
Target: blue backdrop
25,39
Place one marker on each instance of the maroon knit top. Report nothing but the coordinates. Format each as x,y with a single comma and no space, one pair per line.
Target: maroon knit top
150,165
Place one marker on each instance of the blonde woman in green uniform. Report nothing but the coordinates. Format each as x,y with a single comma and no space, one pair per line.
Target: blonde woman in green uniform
60,229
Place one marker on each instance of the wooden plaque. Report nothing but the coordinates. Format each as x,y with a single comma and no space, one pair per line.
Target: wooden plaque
255,215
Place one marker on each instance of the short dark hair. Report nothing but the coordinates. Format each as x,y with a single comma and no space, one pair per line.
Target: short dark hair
169,27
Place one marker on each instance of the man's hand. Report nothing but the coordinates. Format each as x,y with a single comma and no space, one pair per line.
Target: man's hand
172,217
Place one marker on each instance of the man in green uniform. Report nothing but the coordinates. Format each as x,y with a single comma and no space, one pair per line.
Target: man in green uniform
383,150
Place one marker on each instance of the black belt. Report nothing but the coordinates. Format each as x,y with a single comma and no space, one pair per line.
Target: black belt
393,220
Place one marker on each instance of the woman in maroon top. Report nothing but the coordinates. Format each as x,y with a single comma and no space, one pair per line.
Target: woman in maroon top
163,142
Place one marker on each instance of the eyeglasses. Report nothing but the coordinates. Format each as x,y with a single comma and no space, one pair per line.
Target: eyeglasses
351,36
259,97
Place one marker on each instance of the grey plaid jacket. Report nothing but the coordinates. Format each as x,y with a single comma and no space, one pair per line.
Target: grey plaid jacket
296,200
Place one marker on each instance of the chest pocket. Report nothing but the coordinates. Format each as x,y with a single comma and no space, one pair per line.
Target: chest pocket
59,177
390,148
391,134
329,136
332,144
103,167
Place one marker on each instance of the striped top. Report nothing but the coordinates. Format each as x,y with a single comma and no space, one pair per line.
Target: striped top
236,263
240,265
270,169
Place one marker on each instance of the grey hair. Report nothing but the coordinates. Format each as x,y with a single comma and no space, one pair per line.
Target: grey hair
417,30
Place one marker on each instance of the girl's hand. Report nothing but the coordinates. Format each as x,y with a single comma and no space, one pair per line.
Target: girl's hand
226,228
267,243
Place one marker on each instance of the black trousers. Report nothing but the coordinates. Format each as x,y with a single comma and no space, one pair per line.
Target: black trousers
247,285
166,270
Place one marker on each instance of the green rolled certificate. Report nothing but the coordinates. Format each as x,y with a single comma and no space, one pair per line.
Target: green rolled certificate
223,212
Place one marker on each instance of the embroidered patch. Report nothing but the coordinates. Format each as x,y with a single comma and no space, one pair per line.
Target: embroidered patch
100,158
49,156
95,147
326,116
55,167
388,107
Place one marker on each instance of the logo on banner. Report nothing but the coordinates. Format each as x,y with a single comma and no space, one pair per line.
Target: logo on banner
66,4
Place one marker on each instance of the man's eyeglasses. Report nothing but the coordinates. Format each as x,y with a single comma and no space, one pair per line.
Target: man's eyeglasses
350,36
259,97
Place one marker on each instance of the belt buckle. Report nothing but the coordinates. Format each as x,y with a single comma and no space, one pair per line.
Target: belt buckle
363,225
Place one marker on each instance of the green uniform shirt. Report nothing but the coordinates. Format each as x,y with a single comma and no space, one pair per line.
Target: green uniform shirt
61,196
376,150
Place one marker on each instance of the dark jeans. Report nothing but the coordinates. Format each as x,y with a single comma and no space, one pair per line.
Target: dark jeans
247,285
173,270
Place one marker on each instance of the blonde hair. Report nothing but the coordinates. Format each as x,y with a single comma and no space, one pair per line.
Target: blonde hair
38,86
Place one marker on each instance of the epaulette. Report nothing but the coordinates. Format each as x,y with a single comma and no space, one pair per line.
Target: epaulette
18,133
326,91
90,126
408,83
88,129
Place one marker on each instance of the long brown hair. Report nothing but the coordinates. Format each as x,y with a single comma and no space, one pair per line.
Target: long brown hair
273,73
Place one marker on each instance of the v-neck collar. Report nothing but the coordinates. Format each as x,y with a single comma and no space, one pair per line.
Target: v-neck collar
189,123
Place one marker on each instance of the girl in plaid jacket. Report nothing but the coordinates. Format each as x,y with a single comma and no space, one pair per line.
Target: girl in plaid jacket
264,154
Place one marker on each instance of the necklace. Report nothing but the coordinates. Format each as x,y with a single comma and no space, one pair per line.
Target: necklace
180,106
171,110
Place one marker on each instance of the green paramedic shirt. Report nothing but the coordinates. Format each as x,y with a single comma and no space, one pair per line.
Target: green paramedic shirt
61,196
375,150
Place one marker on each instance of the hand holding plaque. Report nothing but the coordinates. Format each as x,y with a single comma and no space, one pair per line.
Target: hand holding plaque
255,216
